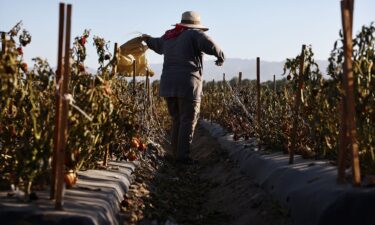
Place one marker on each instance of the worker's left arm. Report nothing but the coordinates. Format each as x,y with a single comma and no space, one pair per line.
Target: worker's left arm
208,46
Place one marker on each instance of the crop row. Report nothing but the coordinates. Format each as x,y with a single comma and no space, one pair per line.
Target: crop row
233,104
105,112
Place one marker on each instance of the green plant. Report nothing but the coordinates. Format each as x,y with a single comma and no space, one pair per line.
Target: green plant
364,86
26,113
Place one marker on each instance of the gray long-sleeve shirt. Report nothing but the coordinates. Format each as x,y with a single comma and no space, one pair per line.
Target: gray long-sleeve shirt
182,67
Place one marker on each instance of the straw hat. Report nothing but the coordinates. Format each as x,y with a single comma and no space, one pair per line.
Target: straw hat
192,19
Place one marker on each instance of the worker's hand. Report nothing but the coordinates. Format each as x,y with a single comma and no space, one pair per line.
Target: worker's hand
144,37
219,62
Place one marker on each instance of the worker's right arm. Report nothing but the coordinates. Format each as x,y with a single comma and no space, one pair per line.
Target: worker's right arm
155,44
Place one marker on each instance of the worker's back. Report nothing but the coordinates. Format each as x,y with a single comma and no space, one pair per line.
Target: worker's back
182,68
181,54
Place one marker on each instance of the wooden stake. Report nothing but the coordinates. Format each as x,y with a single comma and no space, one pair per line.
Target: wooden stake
134,72
64,114
274,91
106,155
150,94
274,84
113,73
148,87
258,99
347,23
343,142
297,105
224,81
239,79
3,43
58,99
115,54
224,88
148,106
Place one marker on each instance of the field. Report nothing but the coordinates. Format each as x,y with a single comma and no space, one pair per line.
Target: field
52,128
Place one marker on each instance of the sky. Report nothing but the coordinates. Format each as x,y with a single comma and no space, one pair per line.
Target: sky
270,29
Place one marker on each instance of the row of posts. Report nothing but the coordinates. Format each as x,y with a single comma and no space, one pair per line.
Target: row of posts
347,135
347,138
61,119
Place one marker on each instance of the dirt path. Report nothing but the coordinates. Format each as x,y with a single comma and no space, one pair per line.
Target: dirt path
213,192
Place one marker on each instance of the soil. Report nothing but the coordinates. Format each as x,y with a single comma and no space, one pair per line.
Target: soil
212,192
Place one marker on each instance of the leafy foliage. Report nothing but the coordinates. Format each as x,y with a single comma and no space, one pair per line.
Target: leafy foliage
26,119
319,117
104,113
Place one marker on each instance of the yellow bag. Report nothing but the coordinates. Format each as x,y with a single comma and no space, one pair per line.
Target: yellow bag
133,50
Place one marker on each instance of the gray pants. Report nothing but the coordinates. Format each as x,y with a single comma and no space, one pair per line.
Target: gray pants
184,115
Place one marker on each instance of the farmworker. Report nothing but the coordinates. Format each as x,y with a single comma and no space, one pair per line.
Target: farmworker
181,78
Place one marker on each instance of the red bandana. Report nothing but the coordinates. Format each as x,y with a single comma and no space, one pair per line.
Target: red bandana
175,32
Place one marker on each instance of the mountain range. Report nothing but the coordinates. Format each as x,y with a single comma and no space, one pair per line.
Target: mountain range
232,67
